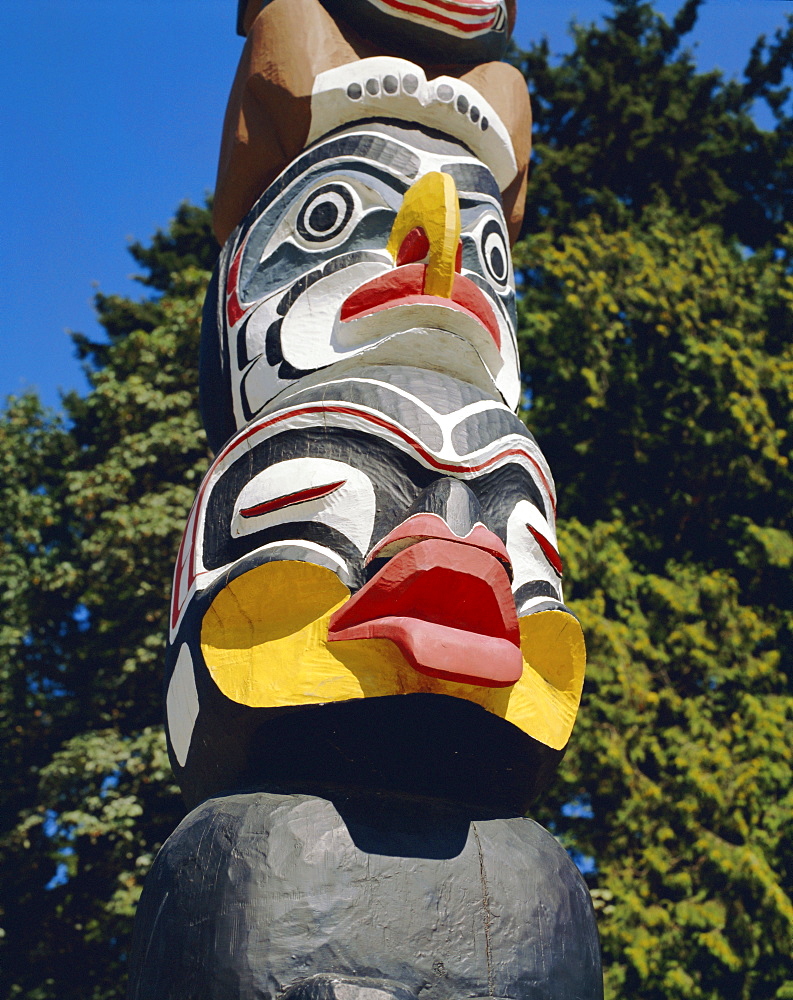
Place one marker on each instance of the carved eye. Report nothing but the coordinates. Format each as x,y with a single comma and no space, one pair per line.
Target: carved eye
495,252
326,213
549,550
303,490
291,499
531,543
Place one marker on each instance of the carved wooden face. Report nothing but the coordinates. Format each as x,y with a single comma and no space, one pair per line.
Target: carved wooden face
378,245
383,534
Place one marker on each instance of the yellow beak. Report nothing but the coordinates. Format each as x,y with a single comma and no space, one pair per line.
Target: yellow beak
431,205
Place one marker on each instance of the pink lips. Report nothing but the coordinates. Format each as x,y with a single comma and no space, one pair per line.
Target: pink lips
405,286
445,602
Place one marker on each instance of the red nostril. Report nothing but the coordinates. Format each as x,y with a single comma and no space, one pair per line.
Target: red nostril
458,260
415,247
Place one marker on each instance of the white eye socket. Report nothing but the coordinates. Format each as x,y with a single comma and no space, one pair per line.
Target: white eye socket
308,489
495,252
532,546
326,214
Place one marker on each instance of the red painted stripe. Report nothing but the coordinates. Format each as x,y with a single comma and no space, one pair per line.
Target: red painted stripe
548,550
290,499
430,16
234,310
396,429
469,9
185,561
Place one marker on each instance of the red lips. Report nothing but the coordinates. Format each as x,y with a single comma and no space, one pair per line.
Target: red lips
405,286
446,603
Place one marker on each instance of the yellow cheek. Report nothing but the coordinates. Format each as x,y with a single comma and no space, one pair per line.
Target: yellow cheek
544,702
265,643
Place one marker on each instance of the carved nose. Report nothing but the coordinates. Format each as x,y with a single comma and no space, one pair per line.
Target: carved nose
446,510
452,501
428,225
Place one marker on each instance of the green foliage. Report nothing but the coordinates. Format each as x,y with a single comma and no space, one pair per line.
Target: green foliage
670,352
682,752
626,118
93,507
657,359
655,332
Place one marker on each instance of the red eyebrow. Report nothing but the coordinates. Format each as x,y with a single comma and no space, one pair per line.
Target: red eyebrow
548,550
289,499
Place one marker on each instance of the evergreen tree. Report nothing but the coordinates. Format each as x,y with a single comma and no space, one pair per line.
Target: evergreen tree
625,118
93,508
656,350
672,400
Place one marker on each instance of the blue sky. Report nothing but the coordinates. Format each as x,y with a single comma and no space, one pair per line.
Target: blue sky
111,114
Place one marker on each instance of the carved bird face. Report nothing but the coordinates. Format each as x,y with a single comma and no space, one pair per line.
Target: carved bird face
377,535
378,245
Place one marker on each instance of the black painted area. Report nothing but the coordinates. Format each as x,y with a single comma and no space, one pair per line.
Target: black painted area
215,402
417,136
473,177
484,426
452,501
396,479
499,491
536,588
257,894
425,745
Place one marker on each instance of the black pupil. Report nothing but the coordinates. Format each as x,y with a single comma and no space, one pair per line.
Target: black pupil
497,262
323,217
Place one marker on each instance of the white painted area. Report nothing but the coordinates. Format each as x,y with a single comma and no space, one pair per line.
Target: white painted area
331,108
436,315
431,348
307,328
528,560
313,336
349,509
181,704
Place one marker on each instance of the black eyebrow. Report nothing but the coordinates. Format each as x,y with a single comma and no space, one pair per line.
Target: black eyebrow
471,177
385,152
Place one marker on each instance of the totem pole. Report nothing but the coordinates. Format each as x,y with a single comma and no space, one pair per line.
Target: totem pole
371,673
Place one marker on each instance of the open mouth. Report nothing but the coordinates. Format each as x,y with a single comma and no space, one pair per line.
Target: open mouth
449,609
404,286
